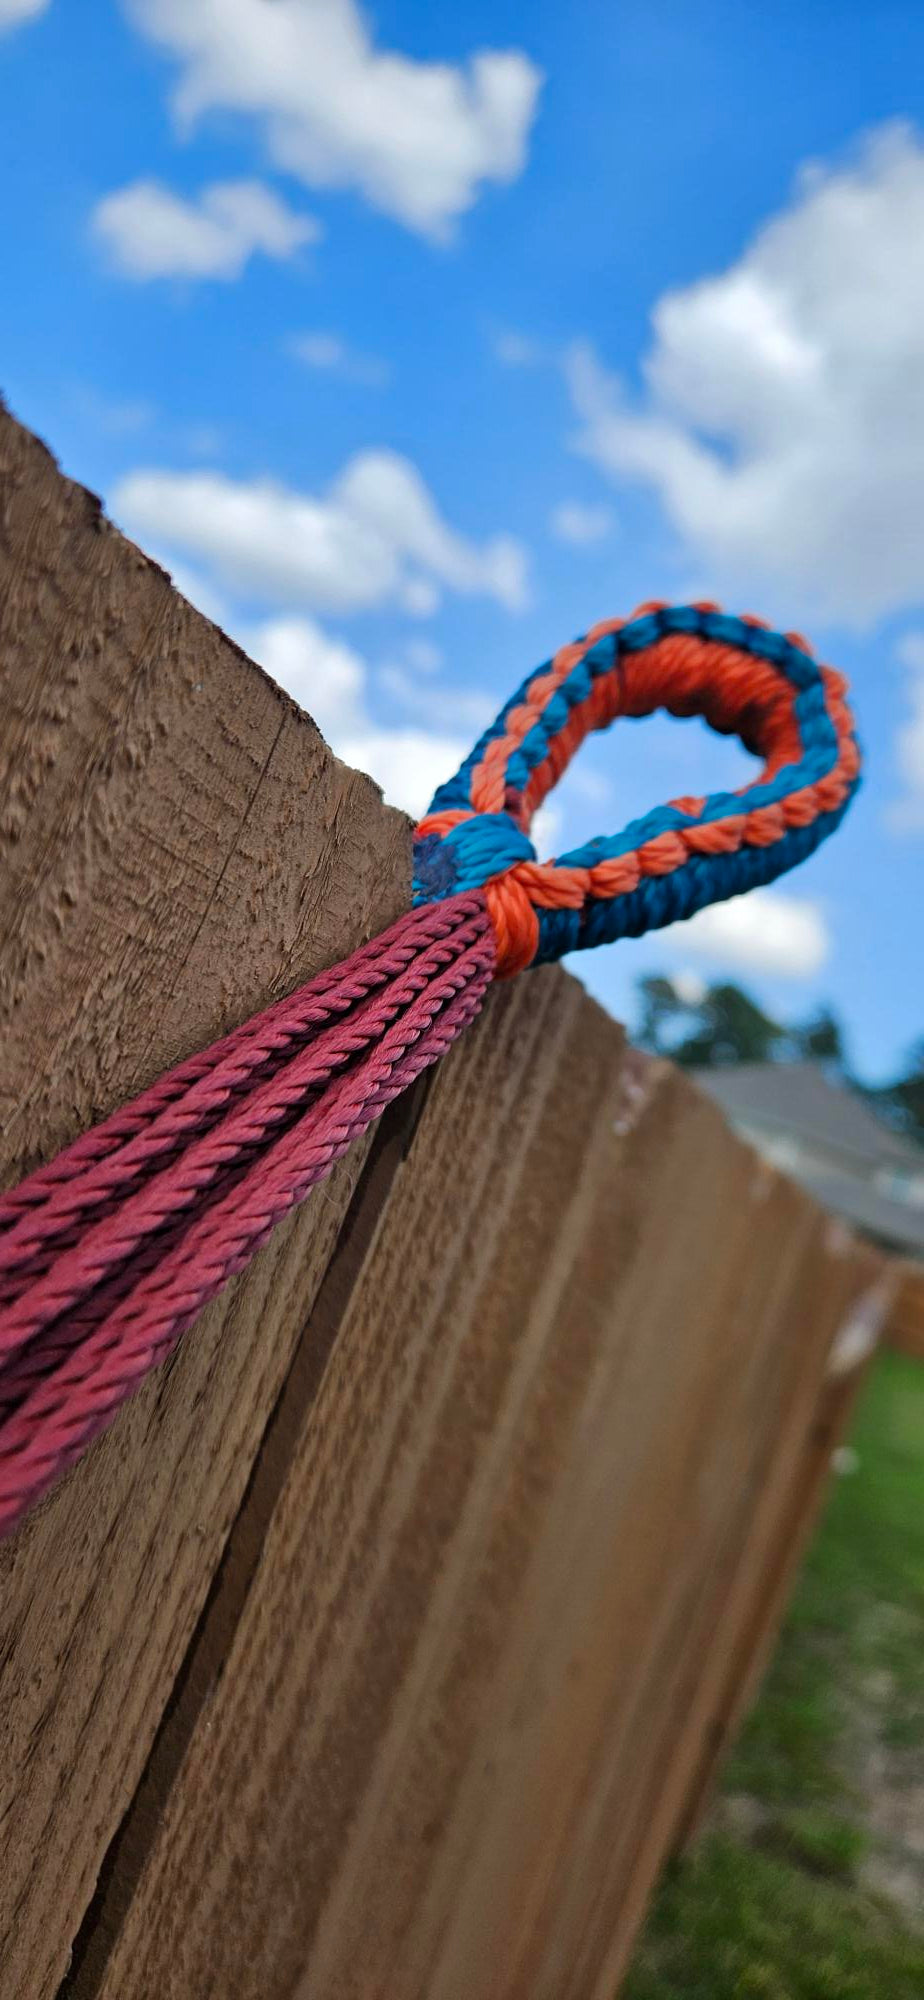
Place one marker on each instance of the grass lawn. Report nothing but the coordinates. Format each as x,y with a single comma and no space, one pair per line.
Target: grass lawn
808,1883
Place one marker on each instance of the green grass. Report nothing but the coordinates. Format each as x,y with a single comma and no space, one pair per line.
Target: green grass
804,1887
732,1923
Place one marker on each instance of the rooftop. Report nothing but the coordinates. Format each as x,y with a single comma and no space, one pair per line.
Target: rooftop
843,1152
802,1098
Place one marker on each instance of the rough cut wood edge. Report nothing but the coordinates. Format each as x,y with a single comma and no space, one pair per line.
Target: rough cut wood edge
177,847
454,1452
534,1472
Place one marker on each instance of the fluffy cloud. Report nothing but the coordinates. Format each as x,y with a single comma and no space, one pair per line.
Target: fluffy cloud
764,931
198,590
375,536
440,707
690,987
14,11
782,421
416,138
332,356
573,522
907,814
149,232
331,681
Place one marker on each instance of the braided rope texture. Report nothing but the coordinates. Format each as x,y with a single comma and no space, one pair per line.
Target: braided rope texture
109,1252
690,660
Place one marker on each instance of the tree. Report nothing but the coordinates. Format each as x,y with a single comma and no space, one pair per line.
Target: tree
903,1100
732,1029
662,1009
724,1025
821,1039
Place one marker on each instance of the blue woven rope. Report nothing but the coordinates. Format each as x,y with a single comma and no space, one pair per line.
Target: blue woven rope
486,845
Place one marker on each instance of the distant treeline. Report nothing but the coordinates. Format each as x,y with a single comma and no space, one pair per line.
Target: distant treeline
723,1024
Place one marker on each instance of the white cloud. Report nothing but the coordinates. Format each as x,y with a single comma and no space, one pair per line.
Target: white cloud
150,232
421,597
417,139
574,522
782,419
440,707
375,536
907,813
333,356
690,987
409,764
12,12
197,589
763,931
324,675
546,830
331,681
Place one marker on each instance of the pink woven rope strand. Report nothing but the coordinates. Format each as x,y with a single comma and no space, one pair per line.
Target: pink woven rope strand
246,1124
70,1183
109,1254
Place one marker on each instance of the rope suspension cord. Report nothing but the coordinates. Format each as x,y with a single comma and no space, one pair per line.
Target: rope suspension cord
109,1252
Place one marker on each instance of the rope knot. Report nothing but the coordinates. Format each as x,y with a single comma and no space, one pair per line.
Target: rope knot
109,1252
690,660
455,852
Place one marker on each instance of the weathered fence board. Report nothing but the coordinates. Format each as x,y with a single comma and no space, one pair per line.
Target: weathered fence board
177,845
385,1644
518,1552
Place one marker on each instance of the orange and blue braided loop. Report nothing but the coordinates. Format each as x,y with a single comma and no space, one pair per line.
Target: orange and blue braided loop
110,1251
737,674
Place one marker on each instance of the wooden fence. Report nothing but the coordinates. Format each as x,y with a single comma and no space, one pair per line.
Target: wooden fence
387,1643
904,1327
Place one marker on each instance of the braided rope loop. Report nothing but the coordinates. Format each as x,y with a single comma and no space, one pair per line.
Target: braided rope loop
111,1250
742,678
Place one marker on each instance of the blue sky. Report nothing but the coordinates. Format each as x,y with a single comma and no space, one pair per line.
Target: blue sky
414,341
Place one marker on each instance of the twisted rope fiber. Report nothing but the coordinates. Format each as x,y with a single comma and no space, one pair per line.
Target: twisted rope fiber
88,1378
245,1134
35,1331
61,1299
251,1083
110,1251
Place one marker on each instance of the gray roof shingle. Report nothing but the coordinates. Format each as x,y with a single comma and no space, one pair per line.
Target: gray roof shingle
798,1100
801,1098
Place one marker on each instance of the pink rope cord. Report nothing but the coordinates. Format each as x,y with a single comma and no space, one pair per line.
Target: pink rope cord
109,1253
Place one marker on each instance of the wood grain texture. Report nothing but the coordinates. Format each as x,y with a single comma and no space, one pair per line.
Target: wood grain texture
492,1591
386,1643
815,1426
177,847
844,1285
